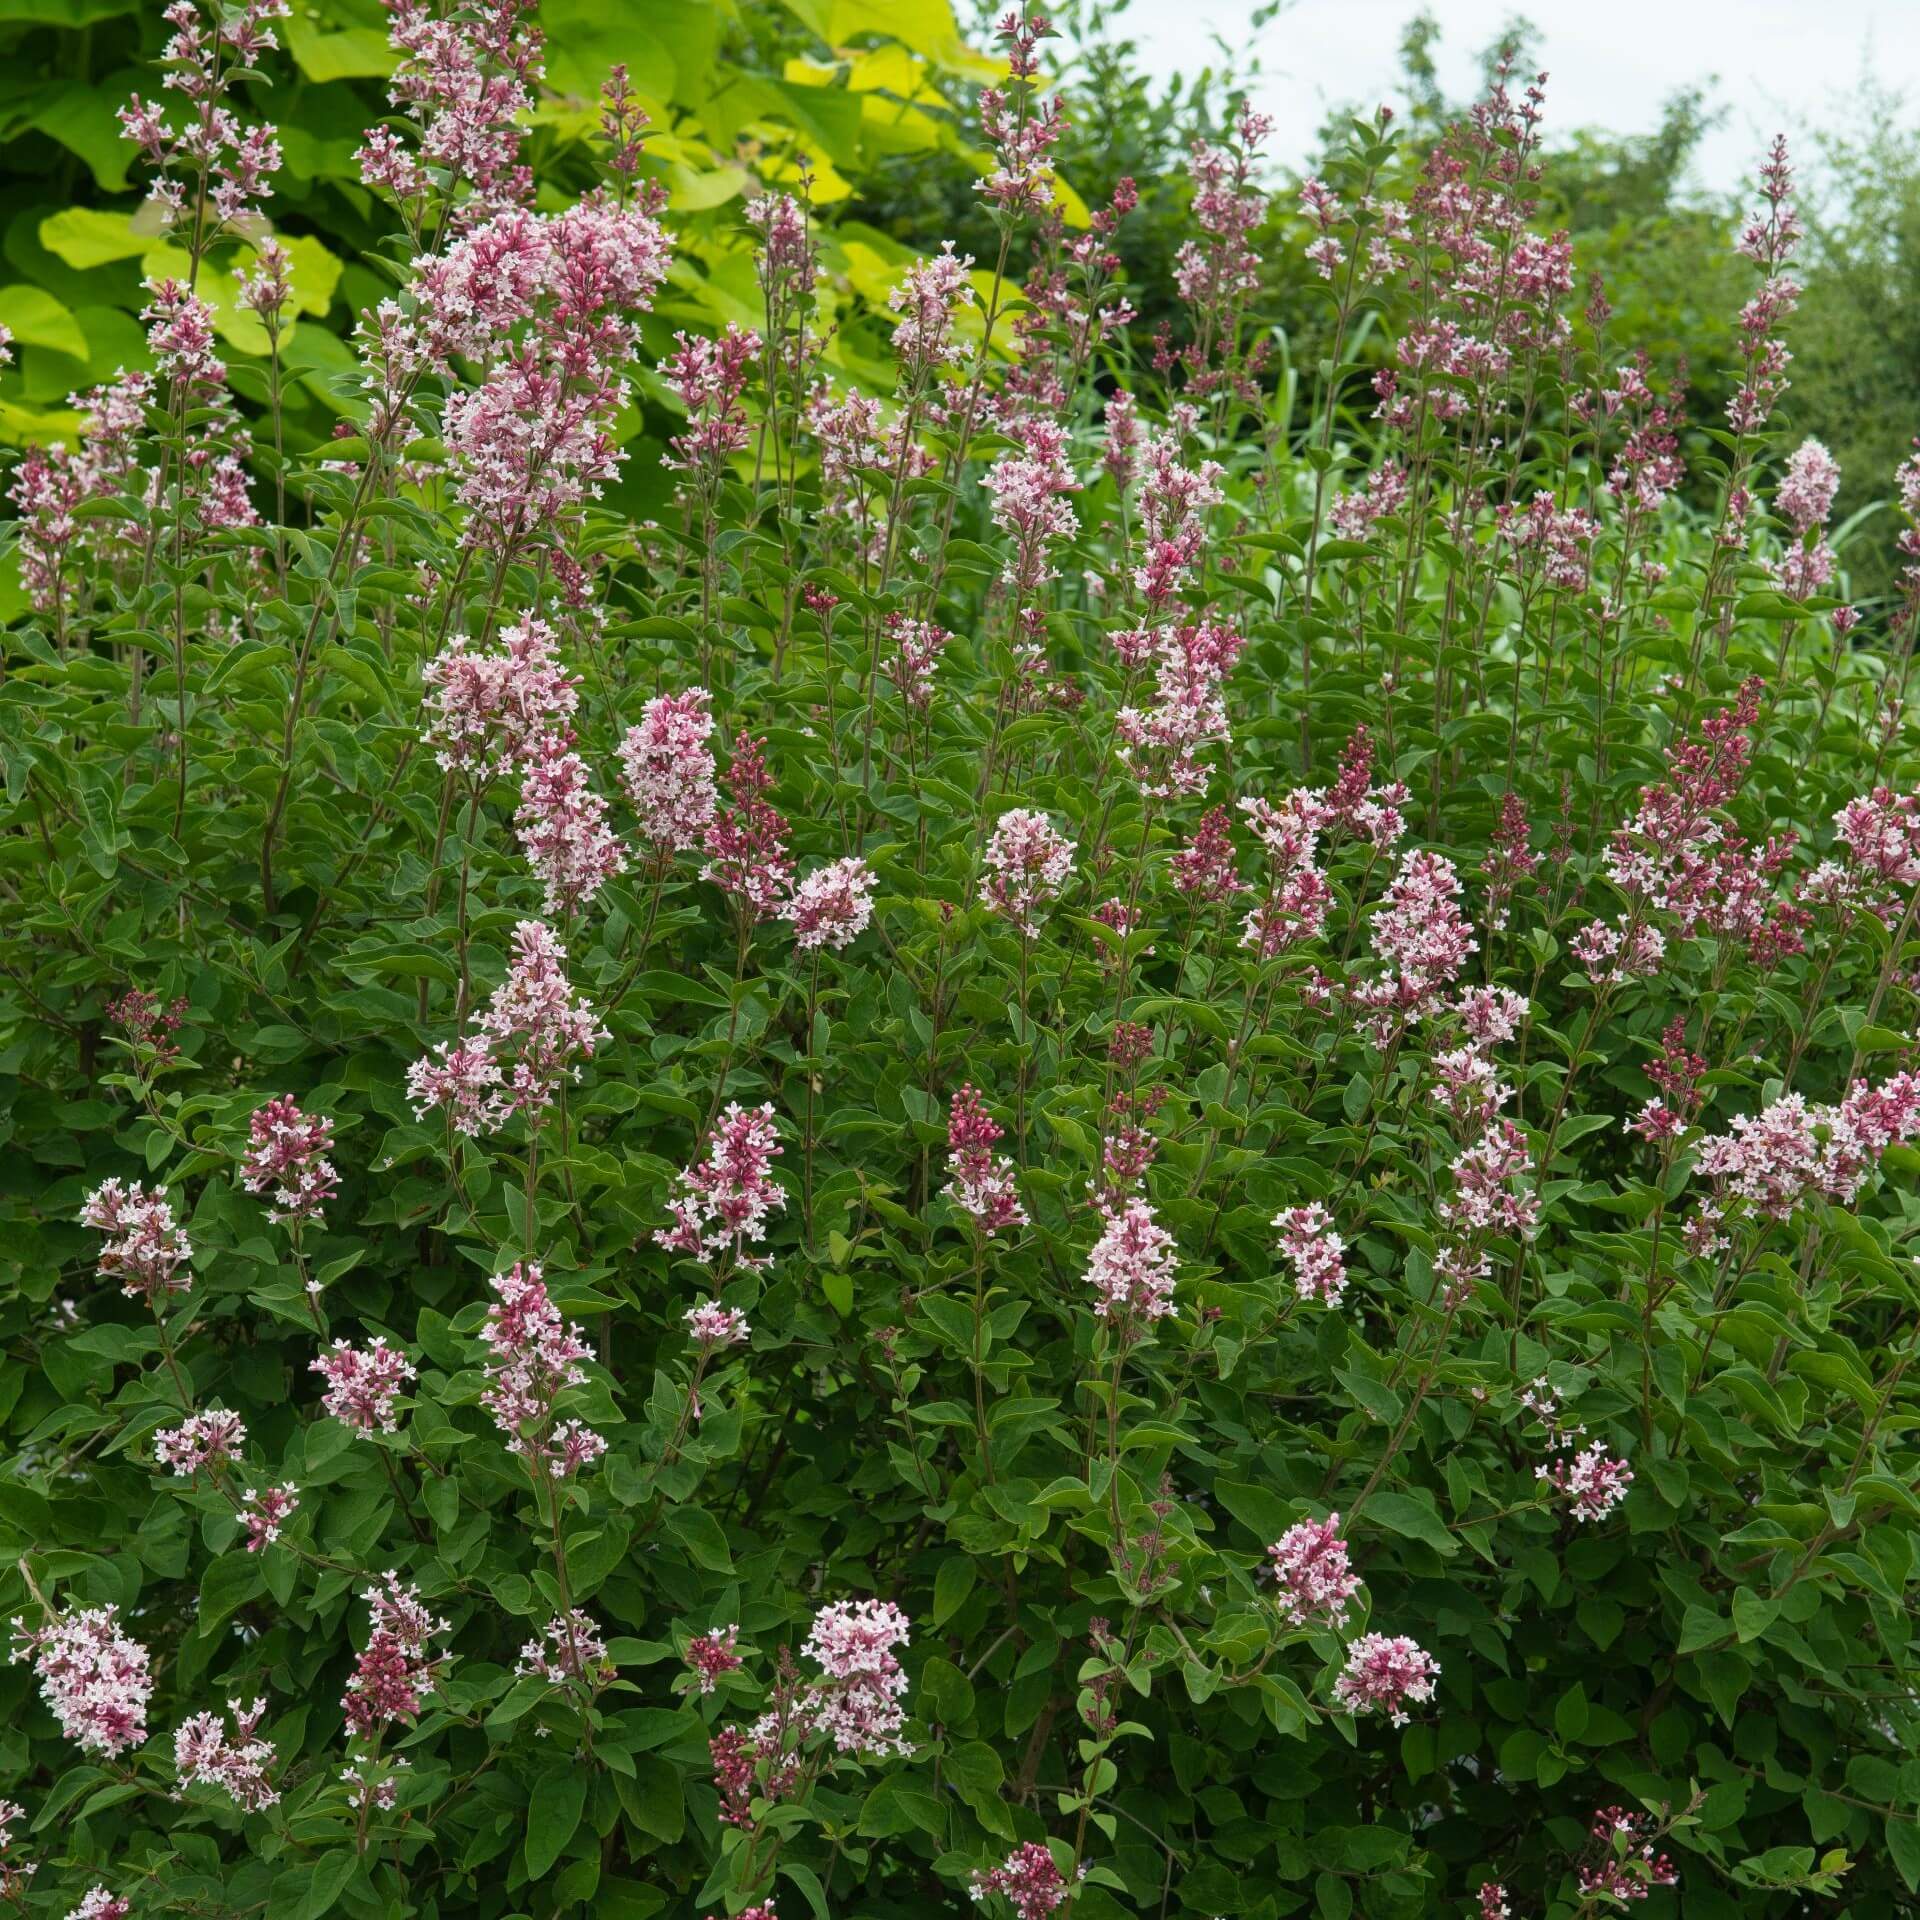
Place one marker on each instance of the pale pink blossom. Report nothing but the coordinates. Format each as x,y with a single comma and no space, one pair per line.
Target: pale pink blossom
668,768
396,1670
204,1756
93,1677
1315,1252
746,843
712,1326
363,1383
1624,1863
562,824
1029,864
98,1904
533,1357
1384,1675
984,1185
535,1011
266,1513
712,1656
1027,1879
857,1702
1132,1266
832,906
570,1648
485,711
1593,1483
287,1151
146,1249
201,1442
1316,1579
728,1196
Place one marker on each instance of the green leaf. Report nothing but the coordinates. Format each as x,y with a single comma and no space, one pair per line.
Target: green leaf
1753,1614
552,1816
699,1532
951,1585
1413,1515
36,319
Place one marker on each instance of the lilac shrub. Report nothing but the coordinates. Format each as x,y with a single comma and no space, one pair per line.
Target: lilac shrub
1122,1137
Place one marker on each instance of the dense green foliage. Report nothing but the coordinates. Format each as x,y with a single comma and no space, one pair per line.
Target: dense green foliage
1439,735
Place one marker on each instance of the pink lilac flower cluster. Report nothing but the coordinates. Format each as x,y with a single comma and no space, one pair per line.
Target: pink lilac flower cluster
201,1442
1770,239
363,1383
287,1151
1509,864
934,290
1467,1085
485,712
1028,490
1880,832
1383,1675
1315,1578
1775,1161
667,768
709,376
1422,941
1216,274
1487,1198
1203,869
146,1249
533,1357
1019,126
1677,1073
1552,545
1027,1879
15,1873
728,1197
266,1514
984,1184
534,1012
1593,1483
465,91
857,1702
1493,1902
1316,1253
1131,1268
1173,501
1674,855
1127,1150
148,1024
98,1904
215,168
1029,863
712,1326
917,646
393,1675
205,1757
831,907
1626,1865
746,842
1294,903
713,1655
1491,1015
562,826
92,1676
531,443
1354,515
568,1648
1804,500
1162,744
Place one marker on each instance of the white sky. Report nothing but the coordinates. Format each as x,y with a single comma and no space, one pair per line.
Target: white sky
1781,64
